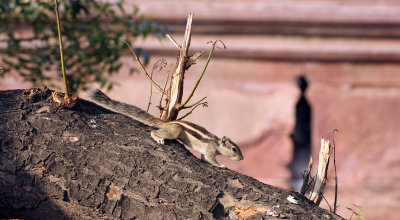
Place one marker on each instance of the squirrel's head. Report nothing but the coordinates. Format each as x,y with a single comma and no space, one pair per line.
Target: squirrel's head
229,149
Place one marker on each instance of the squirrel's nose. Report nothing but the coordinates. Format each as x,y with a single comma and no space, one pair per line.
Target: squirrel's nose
238,157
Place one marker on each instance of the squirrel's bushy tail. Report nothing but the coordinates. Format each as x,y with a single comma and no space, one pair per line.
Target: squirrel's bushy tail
98,97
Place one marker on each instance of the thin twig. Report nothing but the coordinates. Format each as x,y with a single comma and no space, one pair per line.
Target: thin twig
311,184
173,41
61,50
306,177
204,70
204,104
330,207
334,165
160,64
190,106
165,86
151,94
144,70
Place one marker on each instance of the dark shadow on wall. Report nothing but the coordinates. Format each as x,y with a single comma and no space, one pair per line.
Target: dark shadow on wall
301,136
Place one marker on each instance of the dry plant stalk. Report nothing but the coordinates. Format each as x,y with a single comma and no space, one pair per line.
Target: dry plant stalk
306,177
334,166
324,154
175,91
61,51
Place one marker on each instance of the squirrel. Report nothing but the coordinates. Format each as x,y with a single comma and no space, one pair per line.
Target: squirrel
190,134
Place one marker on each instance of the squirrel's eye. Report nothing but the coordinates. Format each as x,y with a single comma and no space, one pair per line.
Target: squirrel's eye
234,149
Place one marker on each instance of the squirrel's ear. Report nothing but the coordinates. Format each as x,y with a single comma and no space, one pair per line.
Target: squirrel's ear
224,139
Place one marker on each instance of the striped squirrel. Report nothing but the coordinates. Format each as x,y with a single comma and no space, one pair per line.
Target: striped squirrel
192,135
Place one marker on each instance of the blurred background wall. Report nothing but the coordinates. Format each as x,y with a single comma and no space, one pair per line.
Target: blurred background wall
294,71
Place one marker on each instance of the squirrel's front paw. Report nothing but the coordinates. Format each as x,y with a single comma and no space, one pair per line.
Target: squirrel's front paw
222,166
157,138
160,141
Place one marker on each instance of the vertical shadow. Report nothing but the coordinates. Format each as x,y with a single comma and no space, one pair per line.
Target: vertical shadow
301,136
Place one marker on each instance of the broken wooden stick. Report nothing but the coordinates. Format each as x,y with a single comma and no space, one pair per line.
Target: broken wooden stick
175,91
324,154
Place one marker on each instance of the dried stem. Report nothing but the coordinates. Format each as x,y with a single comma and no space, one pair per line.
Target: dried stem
330,207
204,104
176,86
312,183
321,179
334,165
61,50
151,94
165,86
160,64
306,178
190,106
144,69
173,41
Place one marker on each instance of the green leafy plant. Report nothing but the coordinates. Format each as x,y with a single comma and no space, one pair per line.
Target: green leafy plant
92,32
356,212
